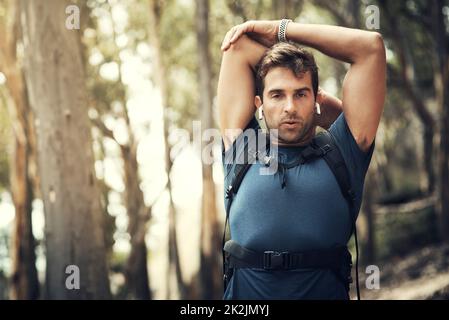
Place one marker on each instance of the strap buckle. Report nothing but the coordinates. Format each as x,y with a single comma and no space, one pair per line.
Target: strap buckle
325,149
276,260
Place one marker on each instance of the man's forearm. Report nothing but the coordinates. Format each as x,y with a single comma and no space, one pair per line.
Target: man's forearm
345,44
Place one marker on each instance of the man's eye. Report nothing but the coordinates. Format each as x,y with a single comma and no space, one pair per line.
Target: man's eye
301,95
275,96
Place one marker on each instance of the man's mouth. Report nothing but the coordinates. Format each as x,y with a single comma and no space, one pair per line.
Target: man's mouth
290,124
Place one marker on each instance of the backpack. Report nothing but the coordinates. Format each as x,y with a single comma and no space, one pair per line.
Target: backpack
323,145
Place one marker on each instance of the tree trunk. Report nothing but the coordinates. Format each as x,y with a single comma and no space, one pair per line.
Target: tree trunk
25,284
286,8
210,240
136,273
109,226
174,265
419,107
441,76
58,97
354,9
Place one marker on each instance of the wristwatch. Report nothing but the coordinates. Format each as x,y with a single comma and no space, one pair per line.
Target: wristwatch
283,29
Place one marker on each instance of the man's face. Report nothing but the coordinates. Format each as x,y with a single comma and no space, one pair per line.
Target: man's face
289,104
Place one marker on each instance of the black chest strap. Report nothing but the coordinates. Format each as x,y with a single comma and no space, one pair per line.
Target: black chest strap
336,259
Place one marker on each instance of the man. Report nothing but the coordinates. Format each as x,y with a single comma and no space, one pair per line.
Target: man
304,210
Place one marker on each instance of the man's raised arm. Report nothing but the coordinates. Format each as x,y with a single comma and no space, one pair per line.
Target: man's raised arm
236,86
364,84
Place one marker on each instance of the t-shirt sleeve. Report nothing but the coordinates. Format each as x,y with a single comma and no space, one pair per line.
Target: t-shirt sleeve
357,161
348,146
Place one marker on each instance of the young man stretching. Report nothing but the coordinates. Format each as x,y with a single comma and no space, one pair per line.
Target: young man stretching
298,212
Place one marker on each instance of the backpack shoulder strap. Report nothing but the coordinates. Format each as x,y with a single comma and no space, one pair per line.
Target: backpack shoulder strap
337,165
250,156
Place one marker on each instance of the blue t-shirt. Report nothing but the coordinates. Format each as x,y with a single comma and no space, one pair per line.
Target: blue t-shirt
309,213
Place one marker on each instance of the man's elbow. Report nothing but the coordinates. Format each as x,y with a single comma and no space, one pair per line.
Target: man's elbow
245,50
376,44
369,45
239,46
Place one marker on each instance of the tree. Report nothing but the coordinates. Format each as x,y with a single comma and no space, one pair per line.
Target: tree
428,19
102,95
58,97
210,240
25,284
136,271
441,81
424,115
286,8
160,78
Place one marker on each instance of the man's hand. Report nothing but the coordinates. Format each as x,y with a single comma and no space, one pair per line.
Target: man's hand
264,32
321,96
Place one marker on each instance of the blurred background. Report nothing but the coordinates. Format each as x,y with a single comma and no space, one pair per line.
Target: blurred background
99,166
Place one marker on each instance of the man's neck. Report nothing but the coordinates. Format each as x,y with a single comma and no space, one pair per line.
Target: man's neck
304,141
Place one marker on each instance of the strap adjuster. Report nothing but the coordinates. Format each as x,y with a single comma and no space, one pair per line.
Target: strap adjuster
229,192
325,149
276,260
267,160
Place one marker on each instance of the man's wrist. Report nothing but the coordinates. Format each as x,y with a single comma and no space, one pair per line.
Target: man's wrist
282,30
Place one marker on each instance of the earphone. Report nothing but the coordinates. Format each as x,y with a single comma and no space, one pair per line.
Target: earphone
318,109
261,112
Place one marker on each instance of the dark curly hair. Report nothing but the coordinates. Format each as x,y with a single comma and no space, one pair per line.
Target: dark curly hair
288,55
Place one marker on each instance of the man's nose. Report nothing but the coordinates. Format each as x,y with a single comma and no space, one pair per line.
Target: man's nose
289,106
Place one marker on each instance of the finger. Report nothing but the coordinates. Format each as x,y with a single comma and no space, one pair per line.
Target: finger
225,42
243,28
232,32
226,39
237,34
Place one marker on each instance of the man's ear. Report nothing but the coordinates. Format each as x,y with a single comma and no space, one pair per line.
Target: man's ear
257,101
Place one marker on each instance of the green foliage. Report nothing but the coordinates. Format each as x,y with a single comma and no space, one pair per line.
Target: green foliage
179,47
